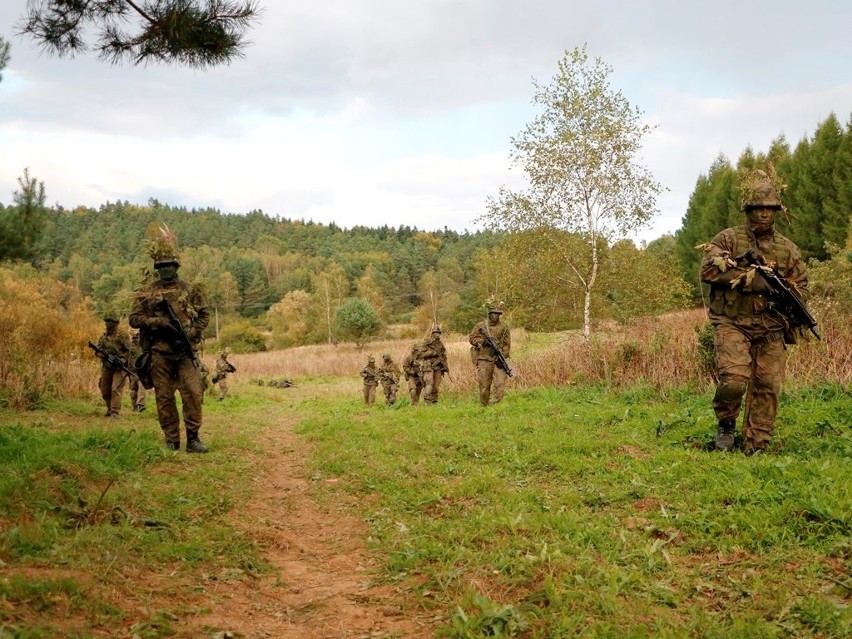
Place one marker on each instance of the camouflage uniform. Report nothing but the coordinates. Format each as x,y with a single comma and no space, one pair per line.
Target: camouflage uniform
389,375
137,391
171,367
750,344
370,375
223,367
432,364
412,374
488,374
111,381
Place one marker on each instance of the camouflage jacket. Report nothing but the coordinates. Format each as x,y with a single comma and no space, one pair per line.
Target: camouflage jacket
149,316
731,299
223,367
370,375
501,334
117,343
389,373
432,356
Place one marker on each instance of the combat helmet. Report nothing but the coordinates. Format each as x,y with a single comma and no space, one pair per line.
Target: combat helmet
386,357
111,316
436,328
162,246
371,359
761,189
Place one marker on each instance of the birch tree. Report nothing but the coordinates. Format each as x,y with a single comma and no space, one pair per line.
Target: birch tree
581,159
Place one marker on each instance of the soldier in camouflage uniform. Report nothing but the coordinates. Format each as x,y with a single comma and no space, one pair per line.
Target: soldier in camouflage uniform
412,374
112,379
172,366
137,390
432,363
488,374
371,380
223,368
750,343
389,375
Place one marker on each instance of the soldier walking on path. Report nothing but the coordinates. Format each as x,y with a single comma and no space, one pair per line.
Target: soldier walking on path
137,390
371,380
223,368
389,375
490,376
112,378
751,334
171,316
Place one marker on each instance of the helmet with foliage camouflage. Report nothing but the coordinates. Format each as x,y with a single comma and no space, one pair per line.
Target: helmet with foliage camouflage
386,357
371,359
436,328
111,316
162,246
761,189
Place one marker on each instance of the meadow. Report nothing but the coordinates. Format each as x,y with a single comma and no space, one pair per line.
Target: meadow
586,504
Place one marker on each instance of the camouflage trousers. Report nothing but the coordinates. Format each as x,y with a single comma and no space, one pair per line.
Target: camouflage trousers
137,393
390,389
111,384
223,387
370,393
170,374
415,387
431,385
490,377
750,364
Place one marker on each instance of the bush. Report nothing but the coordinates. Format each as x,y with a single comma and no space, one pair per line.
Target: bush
242,337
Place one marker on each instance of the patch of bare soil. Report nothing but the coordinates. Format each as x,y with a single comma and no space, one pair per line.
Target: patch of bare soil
324,586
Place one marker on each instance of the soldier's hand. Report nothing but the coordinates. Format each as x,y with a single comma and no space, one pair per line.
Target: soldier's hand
160,323
759,285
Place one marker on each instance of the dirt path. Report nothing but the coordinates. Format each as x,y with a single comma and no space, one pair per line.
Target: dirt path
322,582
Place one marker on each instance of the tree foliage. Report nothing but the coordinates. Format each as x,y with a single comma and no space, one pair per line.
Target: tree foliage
358,321
4,55
818,175
21,225
580,157
182,32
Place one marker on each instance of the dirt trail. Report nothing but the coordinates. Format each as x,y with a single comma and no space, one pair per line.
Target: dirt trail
324,582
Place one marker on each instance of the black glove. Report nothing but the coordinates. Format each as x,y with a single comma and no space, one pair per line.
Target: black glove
759,285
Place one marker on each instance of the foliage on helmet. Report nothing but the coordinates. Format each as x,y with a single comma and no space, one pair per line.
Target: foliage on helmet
761,188
493,305
162,245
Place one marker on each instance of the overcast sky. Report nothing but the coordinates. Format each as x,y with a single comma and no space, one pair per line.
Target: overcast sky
376,112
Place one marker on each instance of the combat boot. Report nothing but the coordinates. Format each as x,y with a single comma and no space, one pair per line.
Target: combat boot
725,432
173,445
194,444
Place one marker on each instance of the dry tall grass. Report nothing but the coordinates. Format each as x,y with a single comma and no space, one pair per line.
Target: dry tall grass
658,352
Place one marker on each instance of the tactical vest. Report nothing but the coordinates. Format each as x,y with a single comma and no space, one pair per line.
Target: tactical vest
733,302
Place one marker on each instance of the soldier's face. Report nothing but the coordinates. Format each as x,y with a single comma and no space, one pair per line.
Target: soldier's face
494,317
167,272
762,217
110,325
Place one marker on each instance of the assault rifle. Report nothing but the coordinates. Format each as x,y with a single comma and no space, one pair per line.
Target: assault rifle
501,362
783,298
111,359
183,339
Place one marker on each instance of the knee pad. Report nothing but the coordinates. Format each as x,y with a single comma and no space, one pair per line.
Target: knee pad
730,390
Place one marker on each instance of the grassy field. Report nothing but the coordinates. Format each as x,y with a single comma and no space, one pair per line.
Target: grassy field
561,512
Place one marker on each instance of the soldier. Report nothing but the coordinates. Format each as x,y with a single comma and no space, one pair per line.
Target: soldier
488,373
412,374
223,367
389,375
173,345
112,378
370,375
750,344
432,362
137,390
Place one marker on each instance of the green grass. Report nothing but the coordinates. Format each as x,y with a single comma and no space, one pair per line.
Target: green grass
558,513
566,512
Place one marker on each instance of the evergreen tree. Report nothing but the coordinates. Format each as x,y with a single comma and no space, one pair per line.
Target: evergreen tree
183,32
